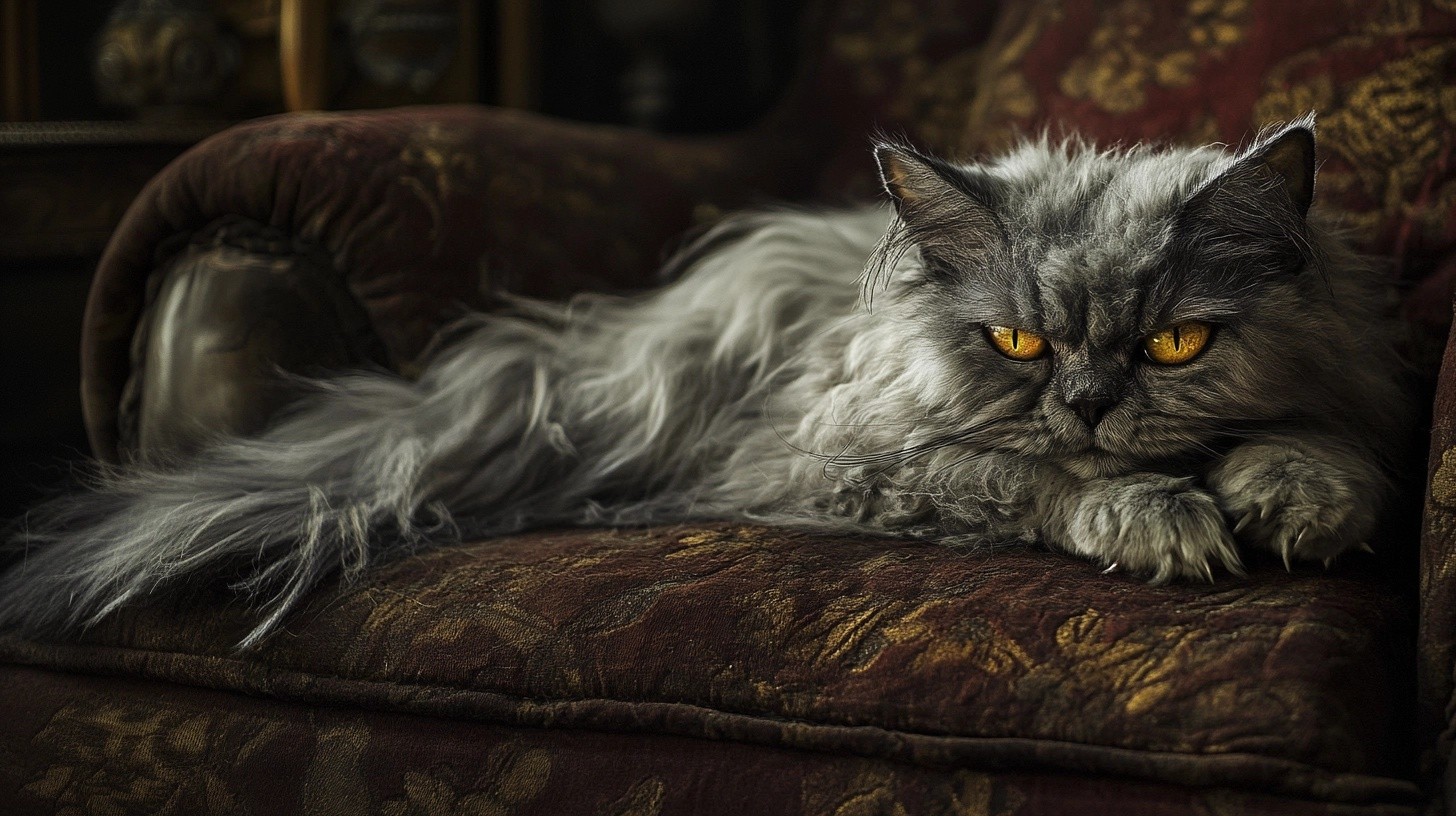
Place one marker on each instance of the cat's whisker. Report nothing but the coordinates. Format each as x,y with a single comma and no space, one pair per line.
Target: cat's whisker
901,455
956,462
904,456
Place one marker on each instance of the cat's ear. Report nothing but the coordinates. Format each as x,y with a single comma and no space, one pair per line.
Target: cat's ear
1276,170
948,211
1260,200
1288,157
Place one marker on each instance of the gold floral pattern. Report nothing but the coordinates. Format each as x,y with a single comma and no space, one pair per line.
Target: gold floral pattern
1004,93
1117,66
1388,128
251,759
511,778
440,159
724,637
1443,481
865,789
643,799
897,53
866,793
138,759
754,621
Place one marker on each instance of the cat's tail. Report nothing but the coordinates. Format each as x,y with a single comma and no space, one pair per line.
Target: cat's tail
367,467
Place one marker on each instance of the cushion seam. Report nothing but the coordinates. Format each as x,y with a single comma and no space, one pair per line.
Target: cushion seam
1292,777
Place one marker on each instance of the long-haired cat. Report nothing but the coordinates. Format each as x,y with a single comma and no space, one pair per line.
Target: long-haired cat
1147,357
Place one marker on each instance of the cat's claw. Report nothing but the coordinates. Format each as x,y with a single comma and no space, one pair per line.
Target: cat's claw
1291,548
1154,526
1243,522
1292,498
1110,569
1364,546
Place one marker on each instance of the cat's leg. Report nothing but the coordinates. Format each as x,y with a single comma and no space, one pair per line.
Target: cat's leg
1300,496
1147,524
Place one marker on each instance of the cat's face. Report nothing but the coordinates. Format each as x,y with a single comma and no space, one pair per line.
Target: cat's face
1115,310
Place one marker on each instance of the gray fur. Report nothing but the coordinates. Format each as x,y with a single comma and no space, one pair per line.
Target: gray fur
762,386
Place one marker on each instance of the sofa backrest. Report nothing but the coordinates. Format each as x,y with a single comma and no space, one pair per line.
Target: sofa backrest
965,78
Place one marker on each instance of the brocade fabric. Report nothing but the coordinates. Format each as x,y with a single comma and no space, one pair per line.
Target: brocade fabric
727,669
786,645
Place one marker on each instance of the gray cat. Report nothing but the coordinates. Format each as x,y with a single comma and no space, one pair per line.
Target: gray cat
1147,357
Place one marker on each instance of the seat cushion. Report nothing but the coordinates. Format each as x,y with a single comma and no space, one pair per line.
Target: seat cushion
775,647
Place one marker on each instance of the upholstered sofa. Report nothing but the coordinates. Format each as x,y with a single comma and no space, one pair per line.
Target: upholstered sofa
718,668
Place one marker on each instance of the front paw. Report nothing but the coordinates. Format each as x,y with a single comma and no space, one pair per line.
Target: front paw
1294,502
1153,525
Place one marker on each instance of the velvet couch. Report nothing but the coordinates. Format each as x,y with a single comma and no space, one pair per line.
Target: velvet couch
718,668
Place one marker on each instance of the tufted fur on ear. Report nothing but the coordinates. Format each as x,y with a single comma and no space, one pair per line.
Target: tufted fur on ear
946,211
1252,212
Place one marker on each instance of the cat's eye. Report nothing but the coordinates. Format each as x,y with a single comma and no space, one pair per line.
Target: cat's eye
1018,344
1178,344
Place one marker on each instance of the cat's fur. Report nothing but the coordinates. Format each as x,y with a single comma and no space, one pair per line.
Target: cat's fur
774,382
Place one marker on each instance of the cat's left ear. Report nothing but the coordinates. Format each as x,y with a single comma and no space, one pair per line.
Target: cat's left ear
1278,169
1258,204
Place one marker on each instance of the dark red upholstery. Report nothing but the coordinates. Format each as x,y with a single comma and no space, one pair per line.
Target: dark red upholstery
716,669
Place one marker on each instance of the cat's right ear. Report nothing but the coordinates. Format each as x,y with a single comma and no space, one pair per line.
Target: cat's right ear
907,176
946,211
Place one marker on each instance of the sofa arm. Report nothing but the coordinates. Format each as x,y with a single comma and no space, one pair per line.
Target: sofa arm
1436,675
415,213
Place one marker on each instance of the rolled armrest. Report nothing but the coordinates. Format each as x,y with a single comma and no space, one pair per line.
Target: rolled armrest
417,214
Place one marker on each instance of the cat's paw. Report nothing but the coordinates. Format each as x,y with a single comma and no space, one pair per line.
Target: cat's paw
1292,501
1152,525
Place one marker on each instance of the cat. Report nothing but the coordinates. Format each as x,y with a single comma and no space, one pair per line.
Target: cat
1148,357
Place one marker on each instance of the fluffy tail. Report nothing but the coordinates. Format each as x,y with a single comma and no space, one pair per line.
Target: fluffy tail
603,410
364,469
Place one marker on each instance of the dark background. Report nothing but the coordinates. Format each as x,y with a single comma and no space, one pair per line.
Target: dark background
728,59
64,180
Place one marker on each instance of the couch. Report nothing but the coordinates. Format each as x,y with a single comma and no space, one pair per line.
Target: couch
719,668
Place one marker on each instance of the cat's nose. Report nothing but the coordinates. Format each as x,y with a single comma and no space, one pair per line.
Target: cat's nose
1091,409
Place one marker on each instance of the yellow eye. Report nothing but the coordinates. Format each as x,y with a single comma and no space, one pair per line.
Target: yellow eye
1178,344
1016,343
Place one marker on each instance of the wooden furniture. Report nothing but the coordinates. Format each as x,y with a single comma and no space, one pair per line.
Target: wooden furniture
66,187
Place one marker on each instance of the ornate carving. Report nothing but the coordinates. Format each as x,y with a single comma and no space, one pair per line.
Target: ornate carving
402,43
164,53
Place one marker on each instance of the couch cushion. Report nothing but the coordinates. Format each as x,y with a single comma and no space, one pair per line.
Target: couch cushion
1017,660
91,745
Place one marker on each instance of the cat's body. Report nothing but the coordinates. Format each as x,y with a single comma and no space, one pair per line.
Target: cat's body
765,385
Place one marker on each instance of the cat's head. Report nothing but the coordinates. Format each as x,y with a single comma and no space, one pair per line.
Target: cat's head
1118,307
